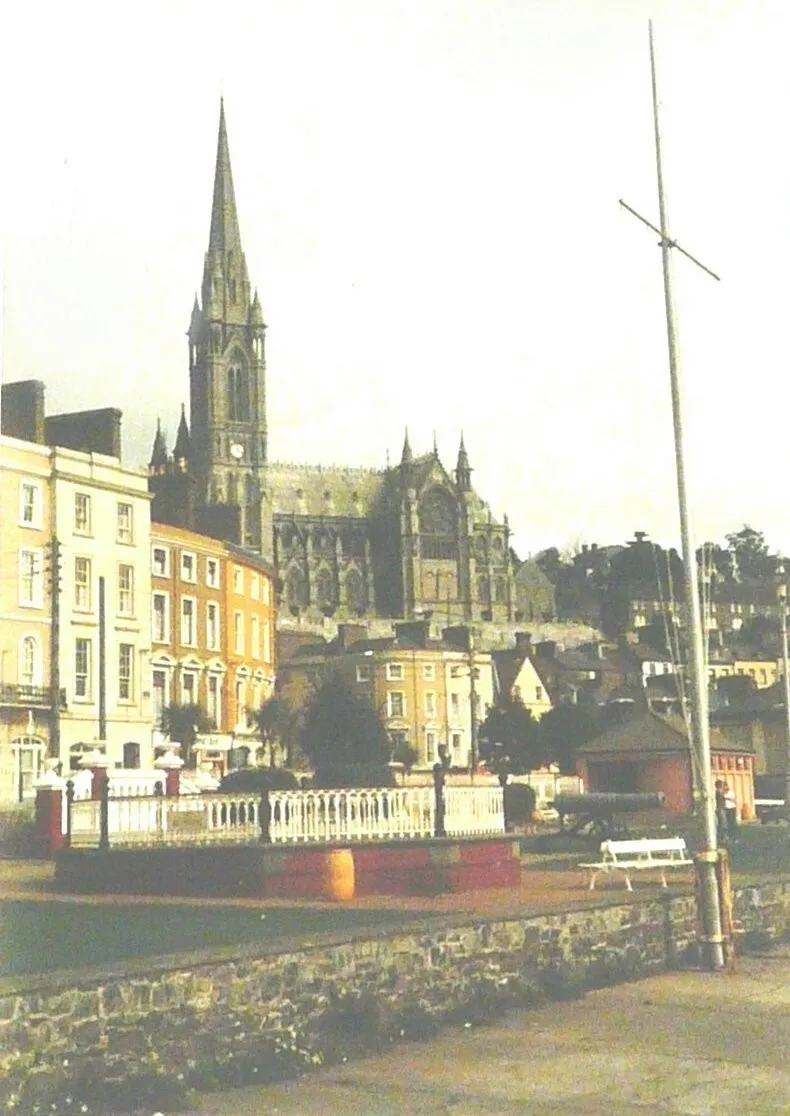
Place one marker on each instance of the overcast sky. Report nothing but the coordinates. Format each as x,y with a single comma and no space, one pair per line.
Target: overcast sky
428,196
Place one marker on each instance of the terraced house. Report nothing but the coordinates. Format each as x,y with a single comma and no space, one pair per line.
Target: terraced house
75,606
212,636
26,694
429,693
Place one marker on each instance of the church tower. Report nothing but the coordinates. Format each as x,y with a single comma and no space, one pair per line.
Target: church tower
227,371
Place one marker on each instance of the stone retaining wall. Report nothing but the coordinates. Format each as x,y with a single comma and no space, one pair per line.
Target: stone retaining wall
185,1015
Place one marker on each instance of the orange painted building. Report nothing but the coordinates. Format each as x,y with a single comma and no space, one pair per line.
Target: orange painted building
213,618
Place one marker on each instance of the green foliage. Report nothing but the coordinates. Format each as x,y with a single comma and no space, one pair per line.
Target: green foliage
257,779
272,721
564,729
345,740
750,554
509,738
182,724
520,802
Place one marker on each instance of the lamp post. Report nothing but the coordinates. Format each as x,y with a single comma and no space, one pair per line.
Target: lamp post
781,593
472,710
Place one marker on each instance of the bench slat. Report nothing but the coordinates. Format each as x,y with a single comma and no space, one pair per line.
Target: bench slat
640,854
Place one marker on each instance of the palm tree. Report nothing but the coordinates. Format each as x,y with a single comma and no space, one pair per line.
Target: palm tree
271,721
182,724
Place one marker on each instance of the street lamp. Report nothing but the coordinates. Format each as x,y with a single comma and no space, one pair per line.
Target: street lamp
781,593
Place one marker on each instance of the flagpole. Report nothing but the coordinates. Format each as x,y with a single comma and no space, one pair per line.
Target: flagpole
712,940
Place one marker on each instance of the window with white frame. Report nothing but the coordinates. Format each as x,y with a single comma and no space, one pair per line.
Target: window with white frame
82,513
238,580
125,532
364,672
396,703
430,747
160,561
266,595
430,704
82,667
238,632
212,626
395,672
255,637
29,661
159,695
241,697
160,617
214,702
267,641
188,566
254,586
428,672
125,672
538,693
212,573
455,704
188,621
30,500
31,578
125,590
82,584
455,742
188,687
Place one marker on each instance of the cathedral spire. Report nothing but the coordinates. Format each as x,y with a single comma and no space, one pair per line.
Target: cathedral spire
159,451
224,235
181,450
226,285
406,455
463,472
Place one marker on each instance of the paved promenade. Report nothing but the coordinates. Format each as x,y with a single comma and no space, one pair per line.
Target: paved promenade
697,1044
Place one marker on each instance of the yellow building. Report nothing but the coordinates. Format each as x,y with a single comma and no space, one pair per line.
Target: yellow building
212,631
26,692
426,692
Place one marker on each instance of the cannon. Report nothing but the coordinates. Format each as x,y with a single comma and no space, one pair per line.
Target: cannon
594,813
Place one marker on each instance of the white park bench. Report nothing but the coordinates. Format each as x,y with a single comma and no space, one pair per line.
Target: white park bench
640,855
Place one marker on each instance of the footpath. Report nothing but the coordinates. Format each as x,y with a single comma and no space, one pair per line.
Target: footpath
691,1043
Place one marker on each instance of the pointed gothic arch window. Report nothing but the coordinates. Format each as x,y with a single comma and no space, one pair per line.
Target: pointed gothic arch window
233,489
438,520
250,490
238,394
355,591
500,590
325,589
482,589
296,587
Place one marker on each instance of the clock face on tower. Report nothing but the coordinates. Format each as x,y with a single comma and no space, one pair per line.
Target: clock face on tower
237,451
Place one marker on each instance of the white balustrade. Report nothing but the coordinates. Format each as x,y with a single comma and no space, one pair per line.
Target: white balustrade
295,817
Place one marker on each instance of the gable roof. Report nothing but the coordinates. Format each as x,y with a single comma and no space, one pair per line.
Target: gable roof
656,734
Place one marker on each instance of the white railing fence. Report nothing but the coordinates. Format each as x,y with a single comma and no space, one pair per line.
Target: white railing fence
294,817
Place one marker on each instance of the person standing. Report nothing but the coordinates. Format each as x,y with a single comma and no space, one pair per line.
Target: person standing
721,812
731,811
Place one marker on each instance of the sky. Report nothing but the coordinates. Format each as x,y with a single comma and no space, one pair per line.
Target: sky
428,198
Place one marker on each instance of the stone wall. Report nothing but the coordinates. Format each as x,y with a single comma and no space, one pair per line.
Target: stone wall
199,1014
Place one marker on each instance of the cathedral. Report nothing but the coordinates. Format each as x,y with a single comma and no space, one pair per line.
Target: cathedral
412,540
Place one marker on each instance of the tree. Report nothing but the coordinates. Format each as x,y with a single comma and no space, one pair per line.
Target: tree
344,739
749,554
405,754
564,729
509,738
271,721
182,724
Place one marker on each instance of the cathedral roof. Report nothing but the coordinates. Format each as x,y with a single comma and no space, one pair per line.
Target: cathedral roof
317,490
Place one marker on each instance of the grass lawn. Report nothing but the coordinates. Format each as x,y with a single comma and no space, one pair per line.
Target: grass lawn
39,937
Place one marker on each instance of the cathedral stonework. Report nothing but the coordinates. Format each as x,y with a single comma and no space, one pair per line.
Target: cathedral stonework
408,541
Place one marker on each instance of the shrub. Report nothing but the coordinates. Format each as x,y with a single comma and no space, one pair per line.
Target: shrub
249,780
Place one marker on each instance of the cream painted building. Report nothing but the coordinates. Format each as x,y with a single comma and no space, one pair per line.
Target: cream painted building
101,512
425,691
26,696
